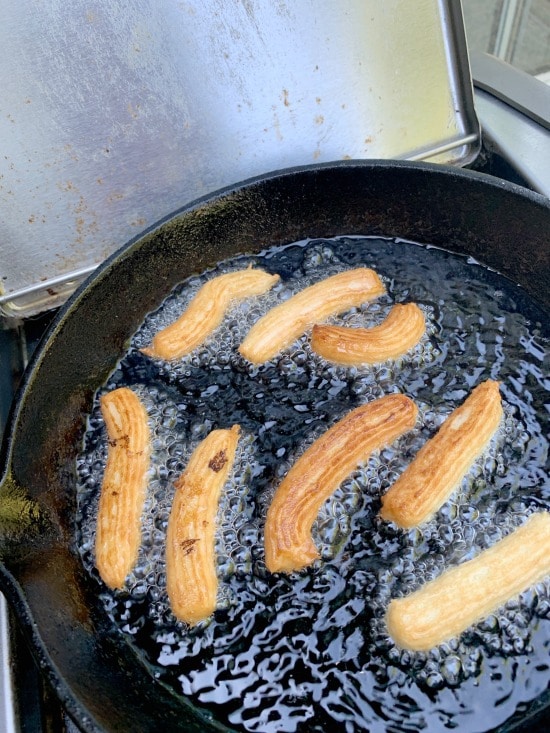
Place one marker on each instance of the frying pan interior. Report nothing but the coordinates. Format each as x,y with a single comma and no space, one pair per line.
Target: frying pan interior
100,680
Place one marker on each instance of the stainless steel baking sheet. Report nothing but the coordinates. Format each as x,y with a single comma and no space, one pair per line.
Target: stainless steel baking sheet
114,114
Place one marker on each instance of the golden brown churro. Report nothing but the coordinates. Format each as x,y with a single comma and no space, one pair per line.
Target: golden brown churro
320,470
124,485
206,311
191,578
400,331
442,462
286,322
463,595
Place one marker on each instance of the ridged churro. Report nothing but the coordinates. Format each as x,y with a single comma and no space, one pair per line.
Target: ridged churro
320,470
191,577
400,331
124,485
443,608
286,322
206,311
442,462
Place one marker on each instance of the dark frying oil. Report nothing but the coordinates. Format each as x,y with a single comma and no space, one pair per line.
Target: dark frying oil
310,651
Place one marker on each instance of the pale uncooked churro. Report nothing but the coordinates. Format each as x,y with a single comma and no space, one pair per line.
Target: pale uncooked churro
442,462
321,469
400,331
191,577
206,312
467,593
124,485
286,322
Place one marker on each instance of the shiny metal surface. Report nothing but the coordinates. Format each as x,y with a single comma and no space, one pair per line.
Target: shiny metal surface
115,114
521,141
7,716
514,111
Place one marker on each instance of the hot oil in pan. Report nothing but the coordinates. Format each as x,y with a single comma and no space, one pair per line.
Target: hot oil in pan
309,651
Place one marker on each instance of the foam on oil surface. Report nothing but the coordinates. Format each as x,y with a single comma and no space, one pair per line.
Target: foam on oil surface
310,651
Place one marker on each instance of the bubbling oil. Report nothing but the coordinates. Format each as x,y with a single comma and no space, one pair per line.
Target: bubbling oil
310,651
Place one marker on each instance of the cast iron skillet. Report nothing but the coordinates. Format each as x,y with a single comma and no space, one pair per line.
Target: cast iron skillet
103,685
